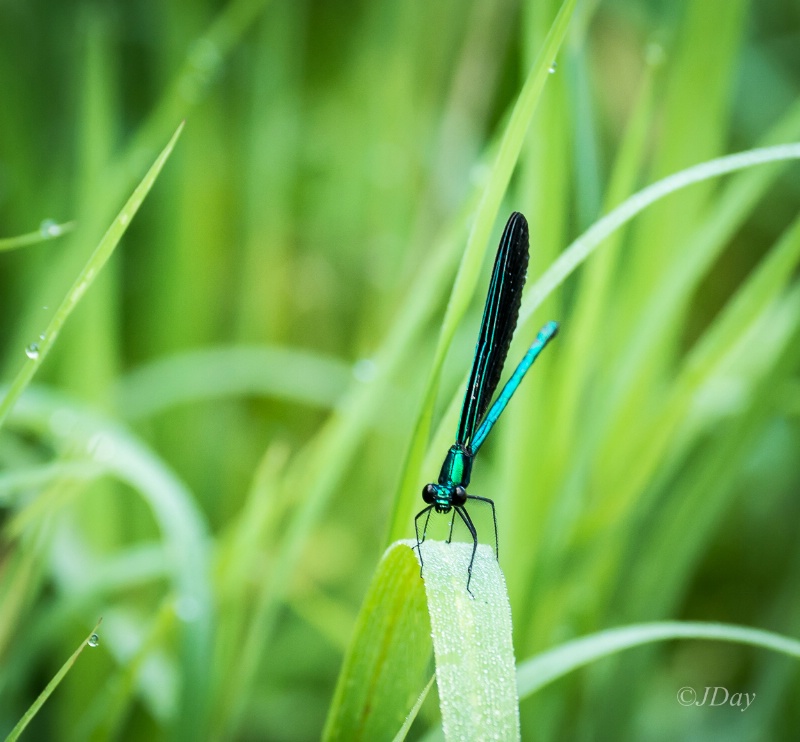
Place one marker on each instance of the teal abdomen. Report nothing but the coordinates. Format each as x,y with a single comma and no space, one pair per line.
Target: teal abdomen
457,467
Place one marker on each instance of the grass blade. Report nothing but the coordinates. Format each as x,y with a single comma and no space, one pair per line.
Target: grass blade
182,525
467,276
193,376
471,642
538,671
38,351
49,230
403,731
584,246
387,663
51,686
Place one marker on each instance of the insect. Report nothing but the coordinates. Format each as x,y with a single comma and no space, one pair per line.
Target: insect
497,328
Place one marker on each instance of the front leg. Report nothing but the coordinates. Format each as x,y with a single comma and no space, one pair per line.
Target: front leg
452,523
494,518
468,521
427,510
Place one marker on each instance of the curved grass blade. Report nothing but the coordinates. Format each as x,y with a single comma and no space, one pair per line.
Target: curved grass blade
387,663
584,246
183,528
728,329
19,480
666,306
287,373
537,672
38,351
545,668
90,640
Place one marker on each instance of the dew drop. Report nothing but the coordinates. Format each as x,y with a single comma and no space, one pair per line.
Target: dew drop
49,228
32,351
93,640
365,370
553,67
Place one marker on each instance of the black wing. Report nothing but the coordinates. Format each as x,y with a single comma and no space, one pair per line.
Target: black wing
497,327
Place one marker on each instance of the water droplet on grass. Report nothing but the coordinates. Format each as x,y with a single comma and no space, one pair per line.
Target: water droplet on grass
49,228
553,67
93,640
32,351
365,370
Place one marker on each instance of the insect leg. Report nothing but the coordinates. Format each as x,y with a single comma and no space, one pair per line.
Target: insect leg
494,518
424,531
468,522
452,523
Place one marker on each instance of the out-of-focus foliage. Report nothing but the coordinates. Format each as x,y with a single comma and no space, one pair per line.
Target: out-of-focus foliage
211,454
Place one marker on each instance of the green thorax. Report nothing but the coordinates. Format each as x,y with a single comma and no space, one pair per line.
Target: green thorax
457,467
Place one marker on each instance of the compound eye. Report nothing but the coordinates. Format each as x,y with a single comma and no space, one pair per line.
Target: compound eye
459,495
428,493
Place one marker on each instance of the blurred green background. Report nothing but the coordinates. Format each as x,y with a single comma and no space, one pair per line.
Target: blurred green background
211,455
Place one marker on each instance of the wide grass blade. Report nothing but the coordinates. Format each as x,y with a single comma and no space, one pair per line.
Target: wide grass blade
387,664
471,642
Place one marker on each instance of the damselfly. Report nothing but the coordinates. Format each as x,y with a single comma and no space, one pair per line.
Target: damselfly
497,328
